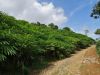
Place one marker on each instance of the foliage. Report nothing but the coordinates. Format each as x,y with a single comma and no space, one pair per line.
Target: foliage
67,29
98,47
96,14
98,31
96,11
23,43
51,25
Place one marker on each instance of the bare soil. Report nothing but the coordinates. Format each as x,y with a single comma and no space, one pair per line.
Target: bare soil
91,63
84,62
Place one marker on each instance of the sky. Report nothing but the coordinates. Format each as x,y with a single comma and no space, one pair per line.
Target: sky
64,13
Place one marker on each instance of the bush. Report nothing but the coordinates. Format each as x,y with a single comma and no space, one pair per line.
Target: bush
98,47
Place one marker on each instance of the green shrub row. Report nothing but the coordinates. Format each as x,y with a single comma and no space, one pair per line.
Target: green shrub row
23,43
98,47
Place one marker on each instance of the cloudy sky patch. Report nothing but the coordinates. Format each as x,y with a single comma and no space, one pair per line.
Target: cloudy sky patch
33,11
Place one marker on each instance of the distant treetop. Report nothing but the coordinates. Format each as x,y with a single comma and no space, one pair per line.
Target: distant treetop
97,31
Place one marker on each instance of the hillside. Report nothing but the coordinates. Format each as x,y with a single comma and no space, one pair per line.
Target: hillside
25,45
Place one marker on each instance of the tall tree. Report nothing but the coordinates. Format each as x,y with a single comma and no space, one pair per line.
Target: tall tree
96,11
96,14
67,28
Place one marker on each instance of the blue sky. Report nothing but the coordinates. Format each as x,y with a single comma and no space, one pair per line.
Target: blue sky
78,13
64,13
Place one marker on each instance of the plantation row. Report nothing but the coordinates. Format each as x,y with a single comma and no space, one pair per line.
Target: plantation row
98,47
23,43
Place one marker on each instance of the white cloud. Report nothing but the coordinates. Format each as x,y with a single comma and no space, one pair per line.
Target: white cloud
33,11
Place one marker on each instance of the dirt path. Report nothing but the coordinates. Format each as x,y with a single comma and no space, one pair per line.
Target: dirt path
84,62
91,63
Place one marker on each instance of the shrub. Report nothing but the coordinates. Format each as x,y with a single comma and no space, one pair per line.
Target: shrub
98,47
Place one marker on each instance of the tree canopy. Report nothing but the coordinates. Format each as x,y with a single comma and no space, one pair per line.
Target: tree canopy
96,11
97,31
96,14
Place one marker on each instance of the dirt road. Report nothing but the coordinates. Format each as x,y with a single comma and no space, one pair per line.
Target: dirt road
91,63
84,62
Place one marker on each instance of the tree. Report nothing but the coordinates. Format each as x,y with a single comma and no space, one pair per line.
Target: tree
67,28
86,31
96,11
96,14
38,23
97,31
51,25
